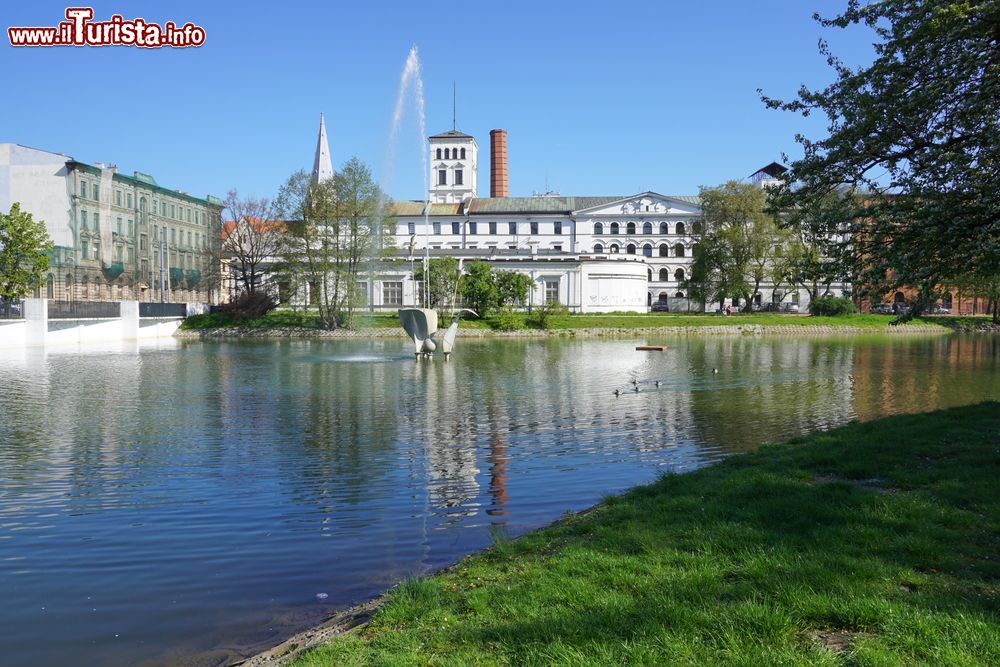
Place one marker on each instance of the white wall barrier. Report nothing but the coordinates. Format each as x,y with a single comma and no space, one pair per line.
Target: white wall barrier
38,330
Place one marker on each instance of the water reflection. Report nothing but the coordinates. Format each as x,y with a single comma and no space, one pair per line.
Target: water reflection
187,502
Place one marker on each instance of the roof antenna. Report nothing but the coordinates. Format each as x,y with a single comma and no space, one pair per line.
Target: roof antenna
453,90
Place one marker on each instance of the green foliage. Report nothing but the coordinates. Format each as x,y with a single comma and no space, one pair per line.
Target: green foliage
544,317
831,306
882,533
913,138
479,288
275,319
443,280
736,254
512,287
24,248
508,319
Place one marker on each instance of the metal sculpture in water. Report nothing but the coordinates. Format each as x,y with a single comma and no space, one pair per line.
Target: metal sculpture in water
420,324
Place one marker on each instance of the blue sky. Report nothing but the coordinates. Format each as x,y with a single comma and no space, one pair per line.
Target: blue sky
597,98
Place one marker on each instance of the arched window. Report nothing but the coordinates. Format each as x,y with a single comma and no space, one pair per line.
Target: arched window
68,288
84,288
630,229
679,250
680,228
439,153
898,298
649,298
664,228
97,288
447,154
664,275
613,249
647,228
462,156
679,275
696,227
662,298
50,287
679,295
649,275
598,228
630,249
614,227
663,250
647,250
598,249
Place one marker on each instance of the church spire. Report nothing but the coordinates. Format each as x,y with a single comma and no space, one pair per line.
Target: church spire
322,167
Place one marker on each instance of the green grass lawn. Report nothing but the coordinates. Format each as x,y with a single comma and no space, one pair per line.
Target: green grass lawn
307,320
872,544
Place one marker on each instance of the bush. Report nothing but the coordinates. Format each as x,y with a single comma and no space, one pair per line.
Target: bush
830,305
250,306
507,319
542,317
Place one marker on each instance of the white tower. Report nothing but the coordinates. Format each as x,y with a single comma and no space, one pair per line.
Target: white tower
454,167
322,167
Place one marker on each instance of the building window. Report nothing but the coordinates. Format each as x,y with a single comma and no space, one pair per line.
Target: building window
458,177
447,154
456,228
439,153
189,215
557,227
557,247
598,229
128,199
679,275
118,226
83,219
679,295
118,197
647,228
442,177
551,291
84,250
533,226
598,249
630,229
630,249
472,228
173,236
83,189
97,192
512,228
664,228
662,298
647,250
131,228
614,227
97,221
142,241
392,293
696,227
411,228
664,275
493,228
679,250
462,156
50,289
613,249
437,227
680,228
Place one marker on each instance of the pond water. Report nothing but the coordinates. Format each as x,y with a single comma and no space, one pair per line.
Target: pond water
199,501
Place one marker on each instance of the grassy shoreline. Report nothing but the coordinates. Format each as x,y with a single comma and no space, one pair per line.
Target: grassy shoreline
873,543
304,322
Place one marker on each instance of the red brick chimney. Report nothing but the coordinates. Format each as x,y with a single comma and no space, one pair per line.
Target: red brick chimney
498,164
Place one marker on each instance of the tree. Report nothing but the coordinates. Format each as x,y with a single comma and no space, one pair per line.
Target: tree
333,228
736,254
513,288
915,136
442,281
478,288
24,259
251,239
